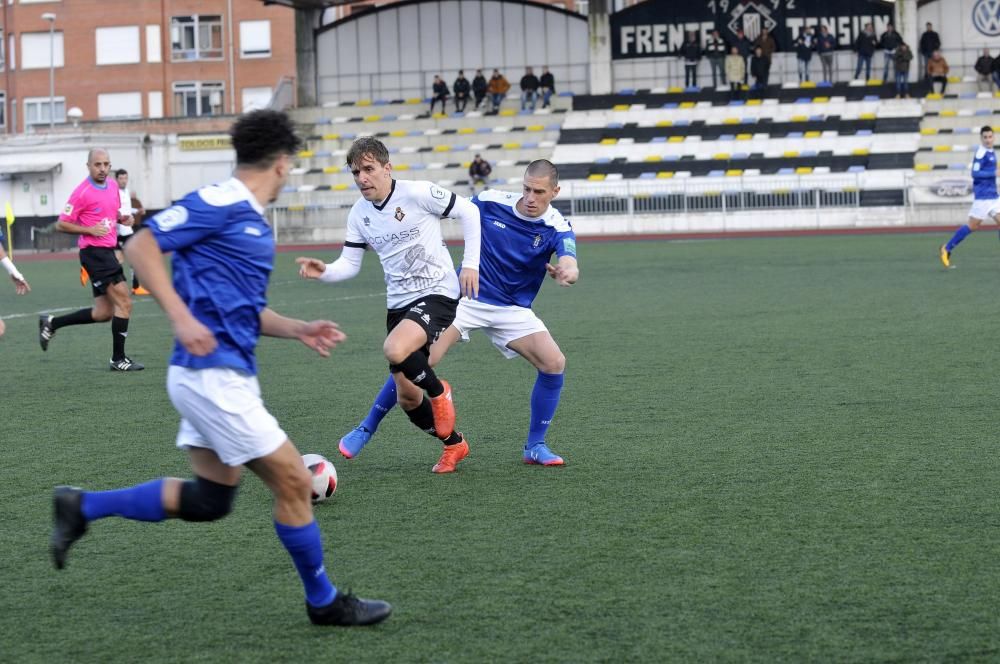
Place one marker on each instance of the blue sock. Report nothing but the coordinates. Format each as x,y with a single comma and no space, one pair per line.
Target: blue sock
143,502
384,402
544,401
959,235
305,547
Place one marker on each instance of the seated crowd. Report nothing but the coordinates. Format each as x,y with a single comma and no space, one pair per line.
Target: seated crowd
493,91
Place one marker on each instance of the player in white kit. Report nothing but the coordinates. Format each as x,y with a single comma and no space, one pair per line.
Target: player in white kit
400,220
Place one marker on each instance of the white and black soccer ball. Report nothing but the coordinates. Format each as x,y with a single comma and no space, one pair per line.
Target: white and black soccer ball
324,476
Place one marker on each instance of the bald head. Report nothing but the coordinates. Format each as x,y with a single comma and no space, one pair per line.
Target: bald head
98,164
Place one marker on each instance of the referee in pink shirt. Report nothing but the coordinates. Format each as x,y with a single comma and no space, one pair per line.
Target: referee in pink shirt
92,213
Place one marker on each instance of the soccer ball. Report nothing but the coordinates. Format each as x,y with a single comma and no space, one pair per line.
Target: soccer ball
324,476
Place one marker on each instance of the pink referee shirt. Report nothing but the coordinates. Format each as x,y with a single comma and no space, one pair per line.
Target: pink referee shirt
90,205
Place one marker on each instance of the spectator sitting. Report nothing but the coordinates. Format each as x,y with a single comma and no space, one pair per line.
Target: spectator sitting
937,71
902,60
548,83
736,69
826,44
479,87
479,173
865,46
439,92
529,89
889,42
497,89
461,89
929,42
984,67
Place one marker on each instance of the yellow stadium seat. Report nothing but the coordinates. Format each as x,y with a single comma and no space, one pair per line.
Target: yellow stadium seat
734,172
608,141
330,137
653,157
363,102
620,107
341,187
305,154
942,148
664,175
928,131
803,170
596,177
922,167
676,139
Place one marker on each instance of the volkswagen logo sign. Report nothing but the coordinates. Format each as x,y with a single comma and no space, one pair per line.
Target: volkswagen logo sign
986,17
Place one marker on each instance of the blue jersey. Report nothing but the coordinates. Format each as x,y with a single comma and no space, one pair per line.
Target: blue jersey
516,248
984,174
223,257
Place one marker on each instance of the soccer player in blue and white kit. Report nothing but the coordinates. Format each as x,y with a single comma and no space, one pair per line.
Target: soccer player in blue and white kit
519,236
223,256
986,202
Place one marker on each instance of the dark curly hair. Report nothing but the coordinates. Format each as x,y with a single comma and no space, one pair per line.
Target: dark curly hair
261,136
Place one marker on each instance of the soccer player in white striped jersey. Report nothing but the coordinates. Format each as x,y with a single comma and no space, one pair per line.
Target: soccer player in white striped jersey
400,220
519,236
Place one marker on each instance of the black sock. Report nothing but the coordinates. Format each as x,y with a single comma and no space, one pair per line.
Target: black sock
418,371
119,330
423,417
81,317
135,280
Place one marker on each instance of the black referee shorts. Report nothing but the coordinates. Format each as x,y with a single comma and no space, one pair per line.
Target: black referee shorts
103,267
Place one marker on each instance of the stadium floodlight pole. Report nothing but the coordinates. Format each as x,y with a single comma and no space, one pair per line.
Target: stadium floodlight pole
51,18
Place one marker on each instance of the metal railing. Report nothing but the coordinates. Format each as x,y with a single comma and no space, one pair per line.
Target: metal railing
669,71
726,194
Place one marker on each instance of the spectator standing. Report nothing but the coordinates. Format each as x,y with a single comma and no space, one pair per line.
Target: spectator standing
902,60
804,52
937,71
479,86
439,92
715,49
497,89
736,71
889,42
767,45
929,42
691,53
479,173
865,45
529,89
760,69
745,48
461,89
984,67
826,44
548,83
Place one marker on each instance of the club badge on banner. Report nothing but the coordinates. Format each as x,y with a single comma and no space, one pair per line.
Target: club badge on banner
980,21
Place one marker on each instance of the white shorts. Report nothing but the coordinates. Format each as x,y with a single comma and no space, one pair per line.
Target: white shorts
501,324
221,410
985,209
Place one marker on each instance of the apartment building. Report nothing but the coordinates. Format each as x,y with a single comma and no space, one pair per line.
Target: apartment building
128,59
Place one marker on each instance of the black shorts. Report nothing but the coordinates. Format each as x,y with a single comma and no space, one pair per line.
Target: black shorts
434,313
122,239
103,267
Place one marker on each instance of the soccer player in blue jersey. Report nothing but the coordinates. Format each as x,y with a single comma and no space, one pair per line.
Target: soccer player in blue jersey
223,254
519,236
986,202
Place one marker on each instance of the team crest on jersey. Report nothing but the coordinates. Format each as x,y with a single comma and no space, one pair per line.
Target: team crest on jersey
68,210
368,222
399,214
538,241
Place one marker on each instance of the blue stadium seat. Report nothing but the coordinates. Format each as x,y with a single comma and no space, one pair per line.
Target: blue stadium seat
857,168
647,175
786,171
658,139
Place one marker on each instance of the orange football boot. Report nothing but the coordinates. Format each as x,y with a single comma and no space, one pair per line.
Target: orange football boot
444,412
450,457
